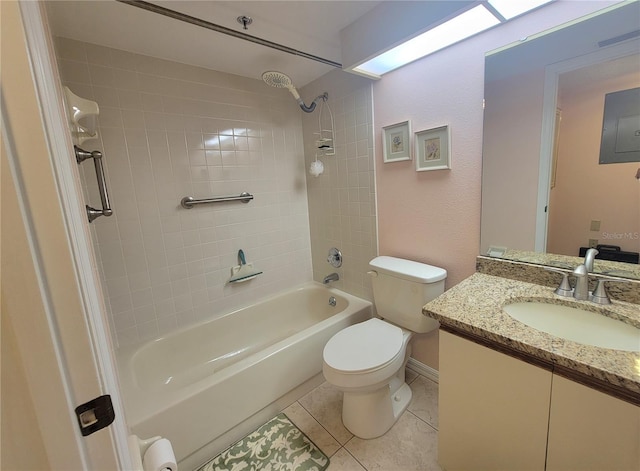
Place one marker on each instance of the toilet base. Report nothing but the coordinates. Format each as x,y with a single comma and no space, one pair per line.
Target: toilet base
371,414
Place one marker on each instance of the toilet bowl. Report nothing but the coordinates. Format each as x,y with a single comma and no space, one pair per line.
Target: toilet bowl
367,361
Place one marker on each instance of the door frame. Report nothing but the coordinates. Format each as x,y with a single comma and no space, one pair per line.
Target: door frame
63,168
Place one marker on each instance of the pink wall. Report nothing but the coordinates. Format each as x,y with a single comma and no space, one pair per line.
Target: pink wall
434,217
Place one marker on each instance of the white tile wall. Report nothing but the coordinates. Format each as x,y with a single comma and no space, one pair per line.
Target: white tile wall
342,210
170,130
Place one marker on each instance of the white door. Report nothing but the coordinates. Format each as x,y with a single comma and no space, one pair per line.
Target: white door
52,311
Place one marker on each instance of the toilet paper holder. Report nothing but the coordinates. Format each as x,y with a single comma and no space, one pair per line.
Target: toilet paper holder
138,448
145,444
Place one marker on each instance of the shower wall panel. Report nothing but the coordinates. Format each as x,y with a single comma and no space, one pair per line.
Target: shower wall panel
342,203
170,130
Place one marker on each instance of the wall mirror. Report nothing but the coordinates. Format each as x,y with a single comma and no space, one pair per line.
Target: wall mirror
543,189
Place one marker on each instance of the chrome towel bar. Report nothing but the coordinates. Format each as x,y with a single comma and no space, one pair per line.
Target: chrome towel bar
189,202
81,156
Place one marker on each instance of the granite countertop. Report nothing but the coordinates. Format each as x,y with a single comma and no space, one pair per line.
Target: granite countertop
474,307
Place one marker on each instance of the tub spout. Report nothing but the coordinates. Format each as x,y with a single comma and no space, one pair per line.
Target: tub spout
330,278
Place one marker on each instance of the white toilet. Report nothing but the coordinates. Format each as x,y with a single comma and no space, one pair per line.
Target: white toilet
366,361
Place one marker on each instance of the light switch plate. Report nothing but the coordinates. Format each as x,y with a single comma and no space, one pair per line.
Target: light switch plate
593,243
595,225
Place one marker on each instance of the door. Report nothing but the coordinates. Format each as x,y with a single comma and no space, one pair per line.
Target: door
59,343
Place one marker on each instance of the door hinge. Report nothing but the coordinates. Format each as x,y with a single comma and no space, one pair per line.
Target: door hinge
95,415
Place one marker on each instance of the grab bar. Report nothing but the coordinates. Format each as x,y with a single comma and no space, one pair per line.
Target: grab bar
189,202
81,156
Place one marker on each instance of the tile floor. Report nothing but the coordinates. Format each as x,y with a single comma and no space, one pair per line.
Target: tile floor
411,444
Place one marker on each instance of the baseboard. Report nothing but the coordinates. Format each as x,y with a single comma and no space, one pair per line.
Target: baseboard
422,369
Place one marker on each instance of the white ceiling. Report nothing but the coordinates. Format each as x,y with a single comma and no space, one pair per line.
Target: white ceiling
309,26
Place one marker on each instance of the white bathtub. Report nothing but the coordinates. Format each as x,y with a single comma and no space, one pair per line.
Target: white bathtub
196,384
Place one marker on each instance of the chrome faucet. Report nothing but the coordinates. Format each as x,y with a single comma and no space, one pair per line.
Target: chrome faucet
589,258
330,278
581,290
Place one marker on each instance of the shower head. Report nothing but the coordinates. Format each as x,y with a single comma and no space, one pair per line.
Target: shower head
277,79
280,80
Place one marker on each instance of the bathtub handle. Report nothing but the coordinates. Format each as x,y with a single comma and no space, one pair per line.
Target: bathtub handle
372,273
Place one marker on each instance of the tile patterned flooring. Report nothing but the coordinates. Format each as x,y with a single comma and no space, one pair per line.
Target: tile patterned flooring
411,444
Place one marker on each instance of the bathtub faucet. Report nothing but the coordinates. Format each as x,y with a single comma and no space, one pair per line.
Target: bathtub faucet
330,278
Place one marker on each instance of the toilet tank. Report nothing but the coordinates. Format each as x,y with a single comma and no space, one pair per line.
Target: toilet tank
400,289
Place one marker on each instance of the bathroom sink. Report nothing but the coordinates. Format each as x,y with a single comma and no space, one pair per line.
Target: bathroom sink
577,325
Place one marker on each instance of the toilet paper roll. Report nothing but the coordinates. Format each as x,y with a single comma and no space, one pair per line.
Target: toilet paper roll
159,457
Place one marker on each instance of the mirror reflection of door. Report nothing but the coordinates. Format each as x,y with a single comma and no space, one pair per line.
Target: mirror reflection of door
592,203
521,85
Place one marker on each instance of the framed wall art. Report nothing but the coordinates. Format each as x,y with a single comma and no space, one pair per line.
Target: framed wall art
433,150
396,143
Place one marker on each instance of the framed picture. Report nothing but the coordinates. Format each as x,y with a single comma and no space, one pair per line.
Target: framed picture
396,143
433,151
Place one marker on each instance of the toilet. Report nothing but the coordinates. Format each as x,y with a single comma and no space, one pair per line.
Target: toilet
366,361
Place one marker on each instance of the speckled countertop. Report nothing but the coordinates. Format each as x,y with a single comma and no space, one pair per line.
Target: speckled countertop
474,307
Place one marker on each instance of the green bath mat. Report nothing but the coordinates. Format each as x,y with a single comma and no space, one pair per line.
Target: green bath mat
278,445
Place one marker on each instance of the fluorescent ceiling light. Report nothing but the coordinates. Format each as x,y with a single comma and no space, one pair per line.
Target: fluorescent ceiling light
458,28
511,8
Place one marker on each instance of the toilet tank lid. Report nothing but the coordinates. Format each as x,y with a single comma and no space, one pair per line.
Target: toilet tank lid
408,269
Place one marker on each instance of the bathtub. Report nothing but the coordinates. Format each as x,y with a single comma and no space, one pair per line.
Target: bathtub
194,385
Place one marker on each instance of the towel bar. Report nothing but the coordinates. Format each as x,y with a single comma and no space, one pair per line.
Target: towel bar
189,202
81,156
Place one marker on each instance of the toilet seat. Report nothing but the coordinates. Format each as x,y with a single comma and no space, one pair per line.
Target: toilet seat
364,347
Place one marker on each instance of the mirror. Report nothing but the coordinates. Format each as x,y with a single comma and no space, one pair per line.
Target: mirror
543,189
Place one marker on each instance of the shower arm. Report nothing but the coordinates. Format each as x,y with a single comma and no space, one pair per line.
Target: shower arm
276,79
312,106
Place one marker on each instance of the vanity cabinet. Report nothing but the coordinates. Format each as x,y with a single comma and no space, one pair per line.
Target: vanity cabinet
501,413
493,409
590,430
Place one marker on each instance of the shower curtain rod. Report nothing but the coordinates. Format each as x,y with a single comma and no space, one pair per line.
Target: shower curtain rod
224,30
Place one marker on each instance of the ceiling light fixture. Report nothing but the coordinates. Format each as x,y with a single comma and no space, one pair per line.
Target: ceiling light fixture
510,9
468,23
